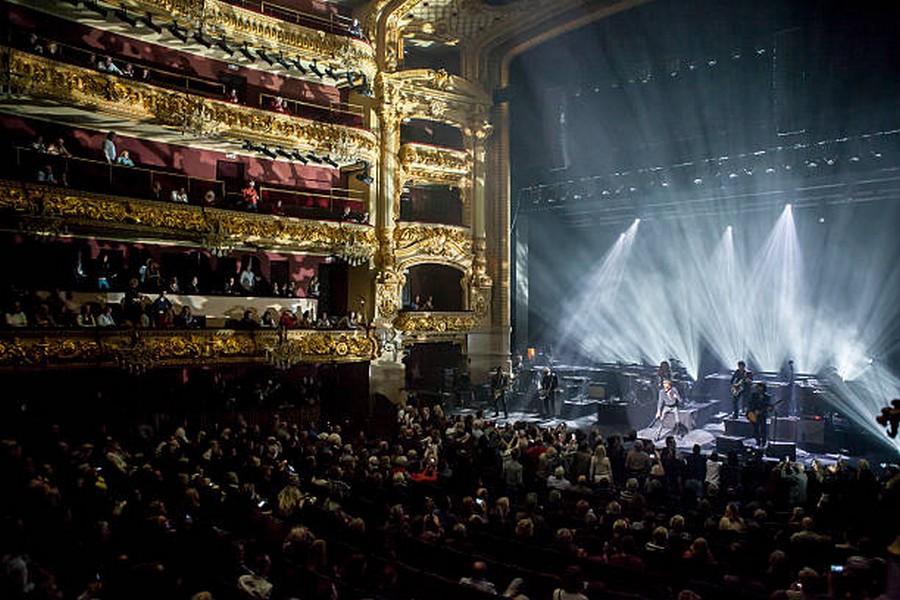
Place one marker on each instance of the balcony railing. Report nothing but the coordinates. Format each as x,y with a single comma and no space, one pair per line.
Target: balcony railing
330,22
139,182
129,68
432,322
51,210
142,350
88,89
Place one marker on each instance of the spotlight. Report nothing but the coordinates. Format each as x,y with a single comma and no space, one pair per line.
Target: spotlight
245,50
266,58
788,207
221,43
94,7
284,153
283,61
177,31
123,16
365,178
314,158
729,228
299,66
148,21
299,156
267,151
330,161
198,37
314,67
698,181
329,70
821,219
637,221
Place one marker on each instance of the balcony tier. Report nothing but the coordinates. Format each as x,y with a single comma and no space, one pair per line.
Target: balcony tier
147,349
169,116
52,210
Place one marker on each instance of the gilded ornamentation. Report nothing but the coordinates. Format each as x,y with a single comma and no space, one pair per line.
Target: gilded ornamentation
433,243
480,277
242,24
228,229
388,287
436,95
36,76
430,163
153,348
426,322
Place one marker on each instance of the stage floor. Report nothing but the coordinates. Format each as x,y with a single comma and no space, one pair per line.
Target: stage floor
705,435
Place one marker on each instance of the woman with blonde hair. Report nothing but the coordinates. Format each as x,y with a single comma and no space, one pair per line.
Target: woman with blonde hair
600,466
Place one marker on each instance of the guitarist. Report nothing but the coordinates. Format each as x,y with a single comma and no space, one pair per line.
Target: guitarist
760,403
499,384
549,383
740,388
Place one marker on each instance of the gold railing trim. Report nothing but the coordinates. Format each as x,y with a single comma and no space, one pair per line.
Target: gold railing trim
99,347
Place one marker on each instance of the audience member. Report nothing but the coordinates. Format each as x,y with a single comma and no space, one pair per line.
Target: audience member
125,159
109,147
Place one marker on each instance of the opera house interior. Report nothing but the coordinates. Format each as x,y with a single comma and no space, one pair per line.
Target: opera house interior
426,299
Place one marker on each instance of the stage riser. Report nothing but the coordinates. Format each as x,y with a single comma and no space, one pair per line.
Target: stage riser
810,432
638,416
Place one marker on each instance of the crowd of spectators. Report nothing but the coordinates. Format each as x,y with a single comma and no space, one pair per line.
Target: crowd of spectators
174,190
445,507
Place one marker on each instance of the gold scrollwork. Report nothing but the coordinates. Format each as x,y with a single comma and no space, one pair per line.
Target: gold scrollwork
37,76
160,348
431,163
429,242
243,24
192,223
426,322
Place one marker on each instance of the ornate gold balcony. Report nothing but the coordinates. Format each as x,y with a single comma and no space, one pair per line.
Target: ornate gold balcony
147,349
38,77
418,243
49,210
440,323
422,162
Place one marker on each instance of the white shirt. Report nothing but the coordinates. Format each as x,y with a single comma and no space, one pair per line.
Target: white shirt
109,150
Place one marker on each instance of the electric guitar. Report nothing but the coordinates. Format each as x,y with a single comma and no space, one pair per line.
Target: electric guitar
738,387
753,415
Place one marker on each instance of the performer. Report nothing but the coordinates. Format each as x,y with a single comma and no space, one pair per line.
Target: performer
664,372
741,381
668,402
499,385
549,383
760,402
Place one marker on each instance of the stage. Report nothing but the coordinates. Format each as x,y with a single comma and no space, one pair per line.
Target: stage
621,399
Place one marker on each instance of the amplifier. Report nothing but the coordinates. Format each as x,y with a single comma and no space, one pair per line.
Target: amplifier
596,391
811,431
782,449
729,443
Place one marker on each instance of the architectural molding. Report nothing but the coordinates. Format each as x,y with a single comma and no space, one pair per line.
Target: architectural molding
417,243
147,349
415,322
437,96
53,210
38,77
422,162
